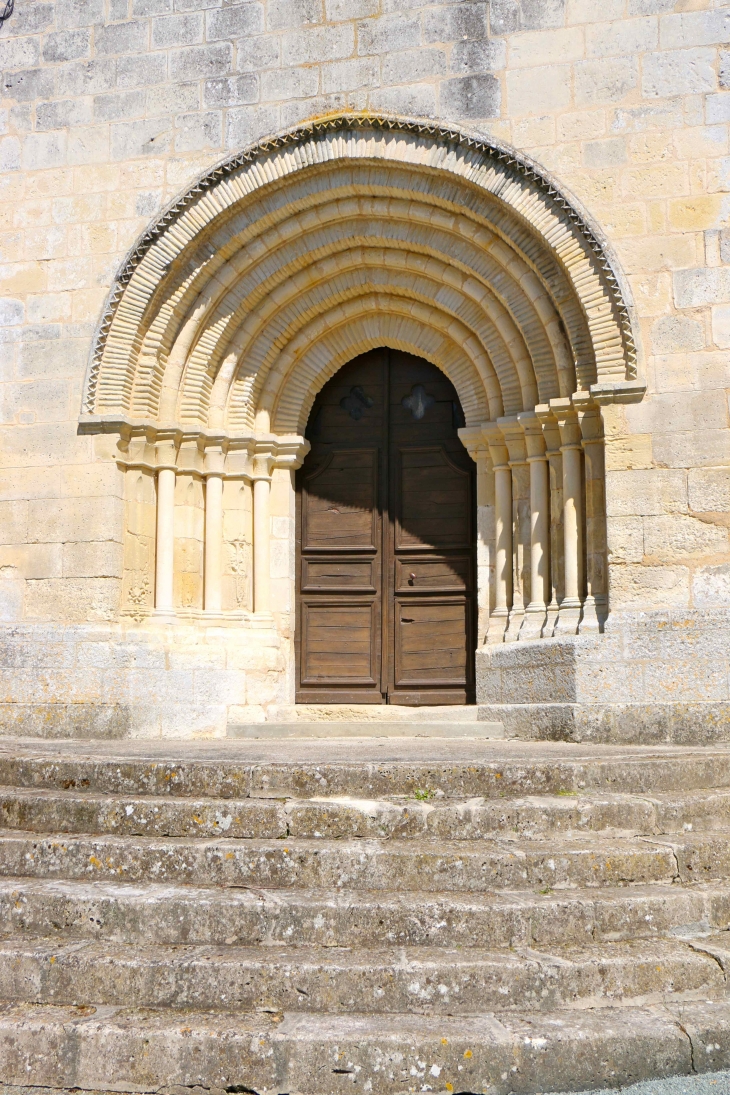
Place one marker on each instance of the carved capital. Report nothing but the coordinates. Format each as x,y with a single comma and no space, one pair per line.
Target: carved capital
283,451
534,439
514,439
567,419
215,461
497,447
473,441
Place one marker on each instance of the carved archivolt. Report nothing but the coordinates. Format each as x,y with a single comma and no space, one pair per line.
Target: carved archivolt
290,259
296,255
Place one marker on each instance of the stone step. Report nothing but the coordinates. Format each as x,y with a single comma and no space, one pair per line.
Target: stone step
307,769
144,1050
349,818
464,867
169,914
376,713
300,730
294,979
394,914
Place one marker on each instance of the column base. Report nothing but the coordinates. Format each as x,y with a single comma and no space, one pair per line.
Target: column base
569,617
498,623
261,619
551,619
589,624
164,615
533,623
516,618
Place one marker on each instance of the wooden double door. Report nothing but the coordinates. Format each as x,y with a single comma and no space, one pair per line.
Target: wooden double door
386,514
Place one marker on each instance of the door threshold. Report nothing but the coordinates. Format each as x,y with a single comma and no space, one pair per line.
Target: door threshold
372,712
303,730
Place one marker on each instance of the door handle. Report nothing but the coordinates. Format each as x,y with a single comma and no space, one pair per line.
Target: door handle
407,620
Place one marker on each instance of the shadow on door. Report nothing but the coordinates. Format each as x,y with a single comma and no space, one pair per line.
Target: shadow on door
386,539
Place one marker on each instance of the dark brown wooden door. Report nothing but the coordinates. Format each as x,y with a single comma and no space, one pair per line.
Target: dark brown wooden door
386,539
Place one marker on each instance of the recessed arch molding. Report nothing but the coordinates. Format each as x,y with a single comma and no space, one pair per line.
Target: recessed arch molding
294,256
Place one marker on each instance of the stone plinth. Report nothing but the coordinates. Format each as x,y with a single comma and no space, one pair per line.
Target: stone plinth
654,677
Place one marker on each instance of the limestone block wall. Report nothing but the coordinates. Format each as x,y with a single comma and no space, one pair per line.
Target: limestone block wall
139,541
112,107
107,681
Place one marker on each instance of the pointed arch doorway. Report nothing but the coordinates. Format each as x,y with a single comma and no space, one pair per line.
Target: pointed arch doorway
386,539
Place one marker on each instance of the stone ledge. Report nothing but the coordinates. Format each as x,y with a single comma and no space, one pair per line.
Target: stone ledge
613,723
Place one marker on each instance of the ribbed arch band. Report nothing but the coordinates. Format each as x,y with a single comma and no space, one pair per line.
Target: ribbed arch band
295,256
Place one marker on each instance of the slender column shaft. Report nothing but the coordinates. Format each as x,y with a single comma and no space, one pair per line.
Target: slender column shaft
555,471
261,547
555,475
539,533
520,546
213,543
572,521
164,562
595,515
591,426
552,442
503,538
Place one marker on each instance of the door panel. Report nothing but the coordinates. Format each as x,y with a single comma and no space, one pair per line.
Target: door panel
386,539
433,500
341,502
339,640
341,495
432,505
413,575
431,642
338,575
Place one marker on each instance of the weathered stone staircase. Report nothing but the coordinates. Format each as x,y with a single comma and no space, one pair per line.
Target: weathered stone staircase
380,917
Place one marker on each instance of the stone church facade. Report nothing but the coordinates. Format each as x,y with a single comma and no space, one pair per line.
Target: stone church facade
211,208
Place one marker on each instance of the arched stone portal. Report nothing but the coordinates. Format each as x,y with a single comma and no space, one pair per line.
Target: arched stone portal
287,261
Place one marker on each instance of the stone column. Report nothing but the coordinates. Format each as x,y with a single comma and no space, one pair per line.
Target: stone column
540,590
269,452
213,576
570,609
595,607
165,554
262,468
499,617
515,441
551,434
